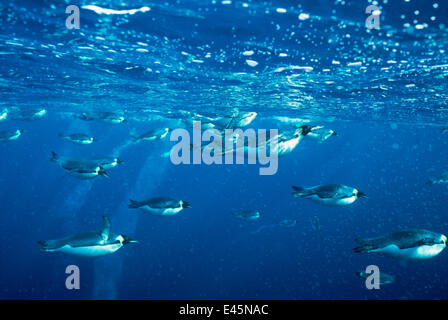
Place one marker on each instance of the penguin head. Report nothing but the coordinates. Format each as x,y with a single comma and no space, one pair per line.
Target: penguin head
305,129
334,133
361,194
119,161
125,239
185,204
444,239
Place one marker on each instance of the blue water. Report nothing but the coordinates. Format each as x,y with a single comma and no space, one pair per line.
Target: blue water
384,91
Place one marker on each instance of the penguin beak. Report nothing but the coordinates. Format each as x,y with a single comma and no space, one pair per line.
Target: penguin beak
119,161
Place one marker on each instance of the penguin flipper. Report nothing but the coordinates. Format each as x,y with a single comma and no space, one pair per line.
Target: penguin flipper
105,232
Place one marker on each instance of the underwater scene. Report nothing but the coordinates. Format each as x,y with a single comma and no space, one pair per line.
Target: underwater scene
223,149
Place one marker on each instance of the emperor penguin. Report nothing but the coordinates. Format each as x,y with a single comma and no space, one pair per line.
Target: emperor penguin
69,163
280,145
30,115
247,214
287,142
330,194
89,244
160,206
412,244
106,117
87,172
320,133
240,120
151,135
3,115
107,162
443,178
10,135
78,138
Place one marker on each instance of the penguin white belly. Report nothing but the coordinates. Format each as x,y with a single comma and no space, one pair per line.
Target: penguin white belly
421,252
84,141
89,251
84,176
109,165
161,211
331,201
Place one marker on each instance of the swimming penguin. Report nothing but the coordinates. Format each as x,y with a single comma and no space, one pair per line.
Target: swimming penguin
69,163
413,244
160,206
10,135
107,162
87,172
330,194
151,135
287,142
287,223
187,118
3,115
443,178
320,133
240,120
247,214
107,117
30,115
78,138
315,223
384,277
89,244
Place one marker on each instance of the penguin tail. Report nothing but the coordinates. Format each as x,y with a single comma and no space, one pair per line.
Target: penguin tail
430,181
364,247
133,204
44,245
54,157
299,191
